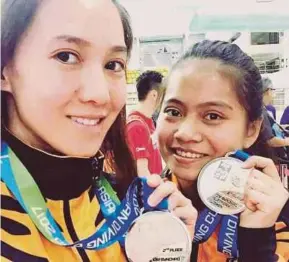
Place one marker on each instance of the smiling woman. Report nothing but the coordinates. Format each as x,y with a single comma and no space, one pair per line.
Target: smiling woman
212,105
63,95
61,58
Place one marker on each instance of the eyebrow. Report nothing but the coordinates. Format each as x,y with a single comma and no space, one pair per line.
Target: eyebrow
83,42
174,101
72,39
216,103
210,103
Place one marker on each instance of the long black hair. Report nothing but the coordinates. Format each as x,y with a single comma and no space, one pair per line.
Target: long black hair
16,16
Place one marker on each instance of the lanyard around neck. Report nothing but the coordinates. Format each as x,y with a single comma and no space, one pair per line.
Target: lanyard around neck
118,215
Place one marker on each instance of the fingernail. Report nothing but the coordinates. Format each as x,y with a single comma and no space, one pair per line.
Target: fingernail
251,173
151,201
244,165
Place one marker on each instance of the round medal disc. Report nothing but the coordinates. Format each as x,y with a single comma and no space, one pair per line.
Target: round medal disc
158,236
221,185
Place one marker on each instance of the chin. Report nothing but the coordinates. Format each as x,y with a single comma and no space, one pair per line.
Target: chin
84,154
184,173
81,152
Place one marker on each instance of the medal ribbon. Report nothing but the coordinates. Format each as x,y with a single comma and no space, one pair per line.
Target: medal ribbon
208,221
119,215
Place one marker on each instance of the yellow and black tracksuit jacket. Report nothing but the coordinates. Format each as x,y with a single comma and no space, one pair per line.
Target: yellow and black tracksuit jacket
66,185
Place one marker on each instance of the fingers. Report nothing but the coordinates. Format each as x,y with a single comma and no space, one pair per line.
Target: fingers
177,199
256,200
265,164
182,208
270,201
264,196
178,204
259,182
188,215
154,180
164,189
250,204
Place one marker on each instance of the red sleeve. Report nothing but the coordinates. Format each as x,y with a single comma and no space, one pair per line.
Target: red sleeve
138,138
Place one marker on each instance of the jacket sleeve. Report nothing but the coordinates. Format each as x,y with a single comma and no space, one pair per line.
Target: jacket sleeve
266,244
282,233
257,244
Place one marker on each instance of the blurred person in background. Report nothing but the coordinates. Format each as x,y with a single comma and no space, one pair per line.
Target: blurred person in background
285,118
268,96
141,127
273,134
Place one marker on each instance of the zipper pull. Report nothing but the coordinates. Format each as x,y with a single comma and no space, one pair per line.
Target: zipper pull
95,164
95,169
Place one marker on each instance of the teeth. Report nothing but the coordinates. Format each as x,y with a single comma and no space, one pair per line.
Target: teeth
188,154
85,121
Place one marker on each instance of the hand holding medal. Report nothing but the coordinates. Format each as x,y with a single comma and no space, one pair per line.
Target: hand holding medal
251,188
221,186
178,204
264,194
162,234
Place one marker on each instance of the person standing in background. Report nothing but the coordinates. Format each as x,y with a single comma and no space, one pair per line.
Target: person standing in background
274,136
285,118
268,95
140,125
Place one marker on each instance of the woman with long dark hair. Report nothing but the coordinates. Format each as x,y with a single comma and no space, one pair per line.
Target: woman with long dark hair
63,96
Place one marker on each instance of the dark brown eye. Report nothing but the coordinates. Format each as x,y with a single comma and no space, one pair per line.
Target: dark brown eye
67,57
115,66
172,112
212,116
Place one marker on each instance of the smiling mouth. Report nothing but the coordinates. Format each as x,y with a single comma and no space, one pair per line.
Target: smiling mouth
187,154
86,121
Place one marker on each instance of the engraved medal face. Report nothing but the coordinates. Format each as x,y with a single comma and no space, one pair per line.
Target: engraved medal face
158,236
221,185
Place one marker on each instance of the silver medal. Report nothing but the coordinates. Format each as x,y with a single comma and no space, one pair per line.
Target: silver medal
221,185
158,236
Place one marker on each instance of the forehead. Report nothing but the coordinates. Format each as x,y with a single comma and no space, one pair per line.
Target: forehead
201,80
96,21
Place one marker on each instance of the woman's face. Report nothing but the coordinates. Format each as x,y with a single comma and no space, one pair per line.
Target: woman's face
201,119
67,78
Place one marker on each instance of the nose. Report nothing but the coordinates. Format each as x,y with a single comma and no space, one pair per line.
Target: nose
189,131
94,86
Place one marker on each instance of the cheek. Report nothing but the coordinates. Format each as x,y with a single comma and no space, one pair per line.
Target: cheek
49,102
161,135
162,139
40,98
224,141
118,95
50,86
160,130
165,135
